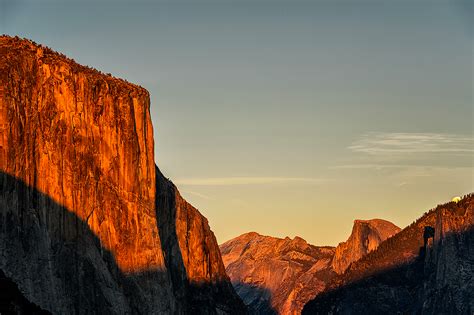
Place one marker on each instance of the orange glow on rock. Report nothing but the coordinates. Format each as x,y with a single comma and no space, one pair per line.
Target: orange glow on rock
85,140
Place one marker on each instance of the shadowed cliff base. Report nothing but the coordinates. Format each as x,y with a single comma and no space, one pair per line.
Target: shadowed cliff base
57,263
421,286
12,300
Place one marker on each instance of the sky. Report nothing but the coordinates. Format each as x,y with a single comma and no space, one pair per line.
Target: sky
288,118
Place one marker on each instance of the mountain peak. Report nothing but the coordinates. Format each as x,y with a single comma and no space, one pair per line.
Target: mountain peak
365,237
251,234
274,274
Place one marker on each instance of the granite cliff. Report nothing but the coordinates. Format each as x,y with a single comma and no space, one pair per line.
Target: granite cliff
426,268
87,222
274,275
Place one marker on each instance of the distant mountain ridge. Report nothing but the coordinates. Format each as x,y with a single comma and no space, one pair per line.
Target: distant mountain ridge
274,275
427,268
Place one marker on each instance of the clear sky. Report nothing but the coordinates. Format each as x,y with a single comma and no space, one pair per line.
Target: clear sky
288,117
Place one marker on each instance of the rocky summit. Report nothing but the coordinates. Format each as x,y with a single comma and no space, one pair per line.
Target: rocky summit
274,275
88,224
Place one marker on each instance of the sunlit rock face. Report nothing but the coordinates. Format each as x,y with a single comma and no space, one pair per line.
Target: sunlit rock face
79,231
85,140
274,275
365,237
402,276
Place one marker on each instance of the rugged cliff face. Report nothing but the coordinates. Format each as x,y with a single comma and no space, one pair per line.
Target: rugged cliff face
365,237
79,229
403,276
274,275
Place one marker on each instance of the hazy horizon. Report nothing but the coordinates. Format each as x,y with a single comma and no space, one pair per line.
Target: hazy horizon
288,118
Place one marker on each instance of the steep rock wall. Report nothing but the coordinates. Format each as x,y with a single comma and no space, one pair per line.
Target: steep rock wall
85,140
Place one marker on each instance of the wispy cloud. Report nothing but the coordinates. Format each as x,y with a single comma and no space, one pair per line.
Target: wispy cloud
368,166
410,143
231,181
411,155
382,166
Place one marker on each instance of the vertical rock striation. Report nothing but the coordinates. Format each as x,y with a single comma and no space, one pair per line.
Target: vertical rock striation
79,231
86,141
